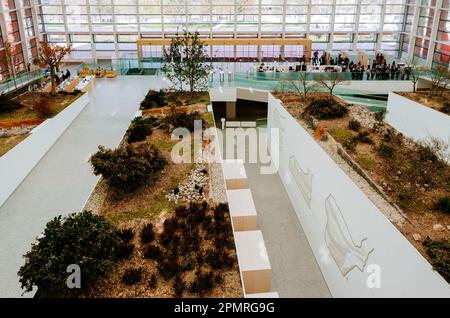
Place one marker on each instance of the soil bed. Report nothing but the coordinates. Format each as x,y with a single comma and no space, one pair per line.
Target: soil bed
407,172
149,204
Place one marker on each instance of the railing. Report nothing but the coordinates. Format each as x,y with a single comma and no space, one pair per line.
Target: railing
20,80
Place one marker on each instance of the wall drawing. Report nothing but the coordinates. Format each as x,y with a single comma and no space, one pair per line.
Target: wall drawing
302,178
279,121
345,252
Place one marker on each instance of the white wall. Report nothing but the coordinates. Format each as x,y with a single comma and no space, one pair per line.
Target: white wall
353,232
378,87
416,120
17,163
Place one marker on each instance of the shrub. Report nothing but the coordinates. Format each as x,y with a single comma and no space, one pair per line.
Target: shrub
178,286
219,211
7,103
392,136
385,151
168,268
147,233
350,144
202,283
439,252
446,108
178,119
363,136
127,168
443,204
126,234
325,108
154,99
152,252
141,127
83,238
43,106
219,260
379,115
124,250
132,276
153,282
354,125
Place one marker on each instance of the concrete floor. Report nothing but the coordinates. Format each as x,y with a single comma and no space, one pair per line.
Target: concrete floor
295,272
62,181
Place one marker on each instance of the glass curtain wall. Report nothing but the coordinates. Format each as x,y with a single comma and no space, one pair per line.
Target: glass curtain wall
110,27
20,26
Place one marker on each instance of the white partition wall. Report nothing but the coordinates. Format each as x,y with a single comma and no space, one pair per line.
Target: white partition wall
360,253
17,163
415,120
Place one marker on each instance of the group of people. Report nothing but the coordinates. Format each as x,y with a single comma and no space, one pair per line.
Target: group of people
379,70
63,77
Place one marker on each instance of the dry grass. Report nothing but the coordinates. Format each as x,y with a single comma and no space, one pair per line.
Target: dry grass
7,143
26,113
435,102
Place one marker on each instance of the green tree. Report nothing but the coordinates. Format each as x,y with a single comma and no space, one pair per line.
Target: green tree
84,239
185,62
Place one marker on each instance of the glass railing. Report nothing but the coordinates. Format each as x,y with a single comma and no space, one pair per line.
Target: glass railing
20,80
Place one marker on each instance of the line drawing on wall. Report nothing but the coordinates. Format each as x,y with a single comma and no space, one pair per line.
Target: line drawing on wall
303,179
279,121
345,252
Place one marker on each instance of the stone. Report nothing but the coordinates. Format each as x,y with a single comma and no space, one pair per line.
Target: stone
416,236
437,227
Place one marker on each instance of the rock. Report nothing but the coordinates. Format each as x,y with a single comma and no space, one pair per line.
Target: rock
437,227
416,236
399,172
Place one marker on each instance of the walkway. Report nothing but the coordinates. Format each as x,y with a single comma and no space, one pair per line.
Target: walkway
295,272
62,181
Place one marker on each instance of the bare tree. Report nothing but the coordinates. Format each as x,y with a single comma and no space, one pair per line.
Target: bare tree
329,80
415,73
50,56
440,79
303,84
8,62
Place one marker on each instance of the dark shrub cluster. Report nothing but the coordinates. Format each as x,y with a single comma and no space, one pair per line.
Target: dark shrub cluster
81,238
152,252
127,168
126,234
7,103
141,127
154,99
179,119
147,233
364,137
439,252
177,249
325,108
443,204
385,151
124,250
354,125
446,108
132,276
379,115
